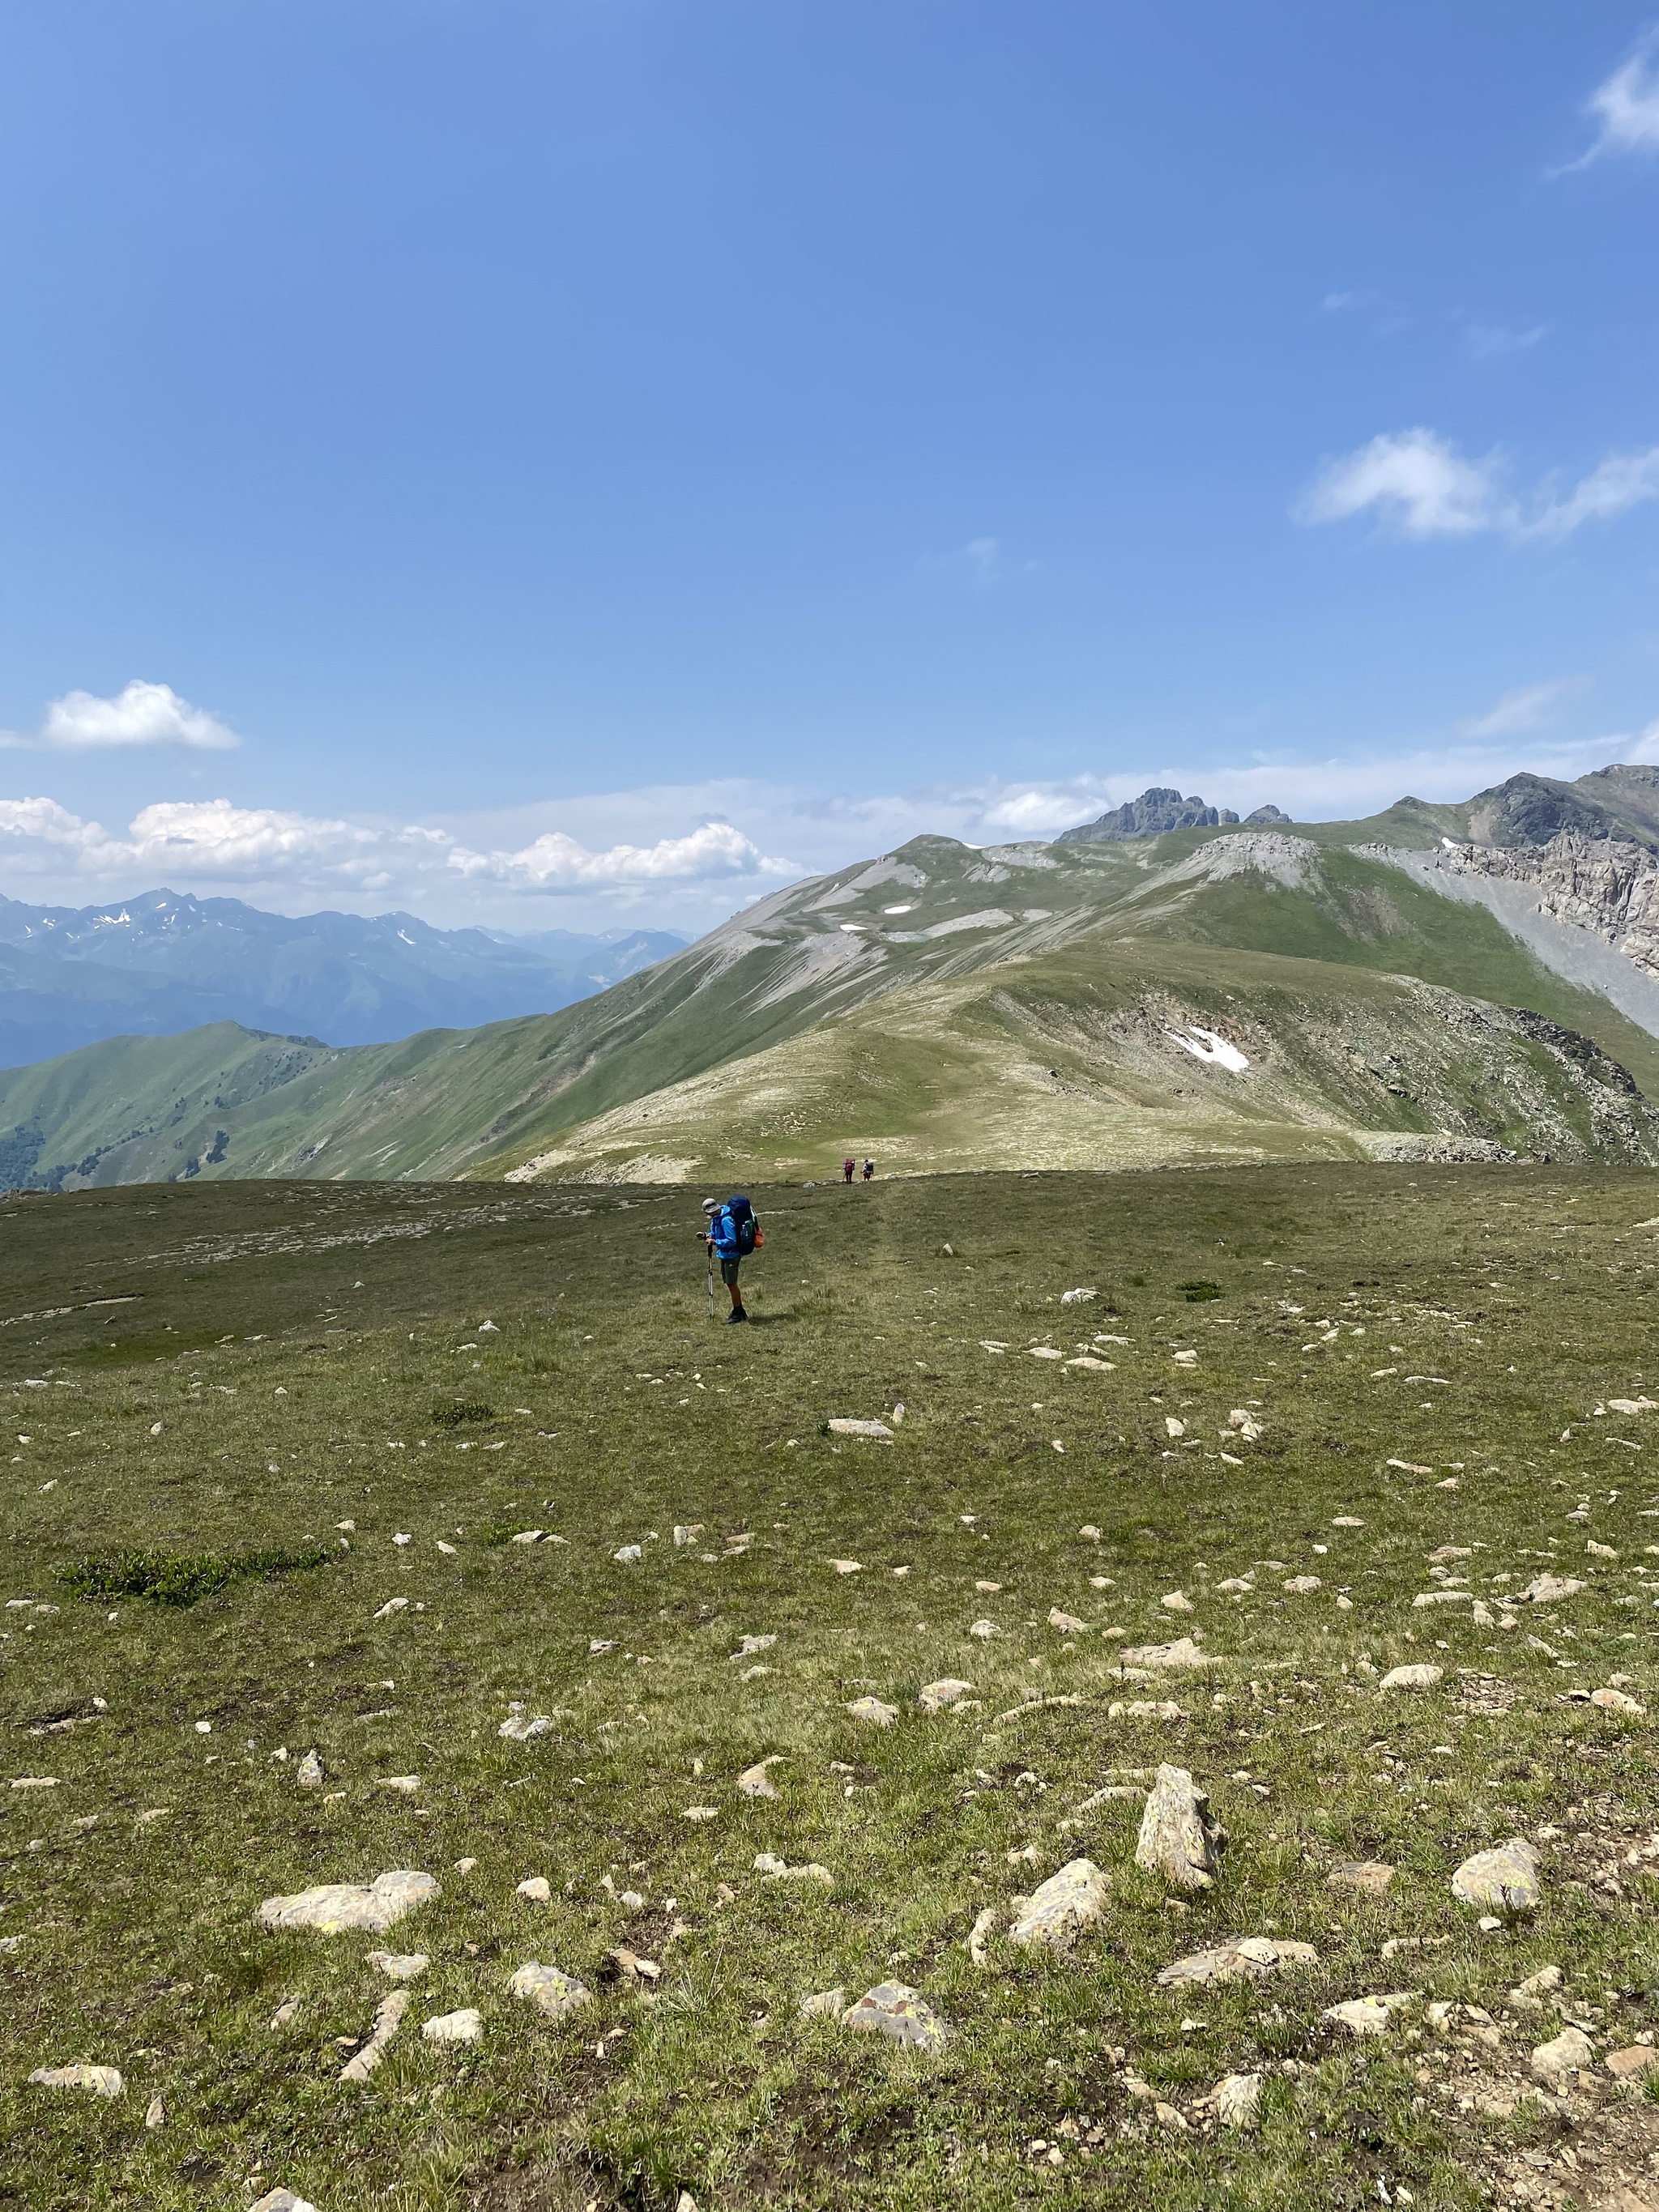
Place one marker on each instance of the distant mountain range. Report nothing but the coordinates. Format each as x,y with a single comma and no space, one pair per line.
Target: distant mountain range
165,961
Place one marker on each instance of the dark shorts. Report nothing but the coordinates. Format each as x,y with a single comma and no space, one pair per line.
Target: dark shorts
729,1270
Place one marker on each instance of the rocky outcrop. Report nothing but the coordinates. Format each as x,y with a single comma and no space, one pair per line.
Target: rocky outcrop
1153,814
1603,885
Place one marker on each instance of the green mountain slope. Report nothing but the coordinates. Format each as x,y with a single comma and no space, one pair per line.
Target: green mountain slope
939,1004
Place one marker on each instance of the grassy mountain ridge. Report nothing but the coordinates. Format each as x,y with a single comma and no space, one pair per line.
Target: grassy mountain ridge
950,976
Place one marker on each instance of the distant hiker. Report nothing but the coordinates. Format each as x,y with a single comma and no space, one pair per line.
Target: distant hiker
847,1167
732,1235
869,1170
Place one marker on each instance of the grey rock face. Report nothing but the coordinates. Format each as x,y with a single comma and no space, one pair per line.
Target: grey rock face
1243,1958
99,2080
1179,1841
1556,2062
555,1995
1236,2098
309,1772
899,2013
1159,810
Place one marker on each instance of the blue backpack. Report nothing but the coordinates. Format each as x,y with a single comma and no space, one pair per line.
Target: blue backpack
744,1223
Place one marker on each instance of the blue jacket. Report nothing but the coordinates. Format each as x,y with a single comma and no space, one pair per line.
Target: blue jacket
723,1234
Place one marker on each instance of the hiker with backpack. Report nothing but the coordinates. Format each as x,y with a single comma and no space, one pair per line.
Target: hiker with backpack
847,1167
732,1234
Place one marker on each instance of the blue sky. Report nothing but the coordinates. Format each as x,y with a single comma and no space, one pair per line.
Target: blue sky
583,461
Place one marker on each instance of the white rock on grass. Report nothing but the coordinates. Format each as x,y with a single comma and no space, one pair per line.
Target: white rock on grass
777,1870
1615,1701
406,1785
1183,1652
1145,1709
1177,1601
1364,2016
1302,1585
980,1935
1548,1589
1559,2063
337,1907
99,2081
1371,1877
984,1630
1178,1839
466,2025
387,2018
38,1782
1420,1677
535,1889
555,1995
1067,1623
392,1605
399,1965
628,1555
1059,1910
1243,1958
308,1774
283,2200
873,1711
1243,1423
1504,1880
755,1782
1235,2100
752,1644
827,2004
934,1697
518,1729
879,1430
900,2013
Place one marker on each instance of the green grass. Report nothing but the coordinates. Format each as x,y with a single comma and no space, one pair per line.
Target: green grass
302,1349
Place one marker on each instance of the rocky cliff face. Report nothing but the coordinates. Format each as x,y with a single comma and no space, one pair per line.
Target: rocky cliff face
1600,885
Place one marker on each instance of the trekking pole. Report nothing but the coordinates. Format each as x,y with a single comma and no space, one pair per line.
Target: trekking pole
711,1282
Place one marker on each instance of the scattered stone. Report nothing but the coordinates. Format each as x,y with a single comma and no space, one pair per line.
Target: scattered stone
1370,1876
308,1774
828,2004
1527,1994
1067,1623
877,1429
464,1866
985,1629
1183,1652
1236,2099
899,2013
1633,2063
1347,1521
392,1605
1076,1298
1559,2063
1178,1839
466,2025
283,2200
517,1728
1244,1423
622,1965
626,1555
100,2080
1173,1426
752,1644
1302,1585
1615,1701
1599,1551
1145,1709
155,2113
702,1812
847,1566
598,1644
934,1697
535,1888
873,1711
286,2012
1505,1880
754,1782
1244,1958
362,2063
777,1870
1364,2016
980,1935
339,1906
399,1966
406,1785
1059,1910
1548,1589
555,1995
1424,1599
1186,1359
1409,1467
528,1536
1420,1677
1177,1601
38,1782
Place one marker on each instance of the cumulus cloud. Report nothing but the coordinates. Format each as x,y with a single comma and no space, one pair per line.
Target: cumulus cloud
1419,484
1625,106
555,860
142,714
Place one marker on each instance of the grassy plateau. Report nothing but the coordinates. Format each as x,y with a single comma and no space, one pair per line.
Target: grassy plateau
271,1446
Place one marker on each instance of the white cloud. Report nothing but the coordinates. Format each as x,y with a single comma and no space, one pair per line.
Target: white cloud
1421,484
142,714
1530,707
1415,479
1621,482
1625,106
556,861
1500,341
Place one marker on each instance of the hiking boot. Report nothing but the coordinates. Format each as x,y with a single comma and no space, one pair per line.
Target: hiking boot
737,1314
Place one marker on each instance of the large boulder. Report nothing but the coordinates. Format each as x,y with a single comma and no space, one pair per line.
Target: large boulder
1179,1841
